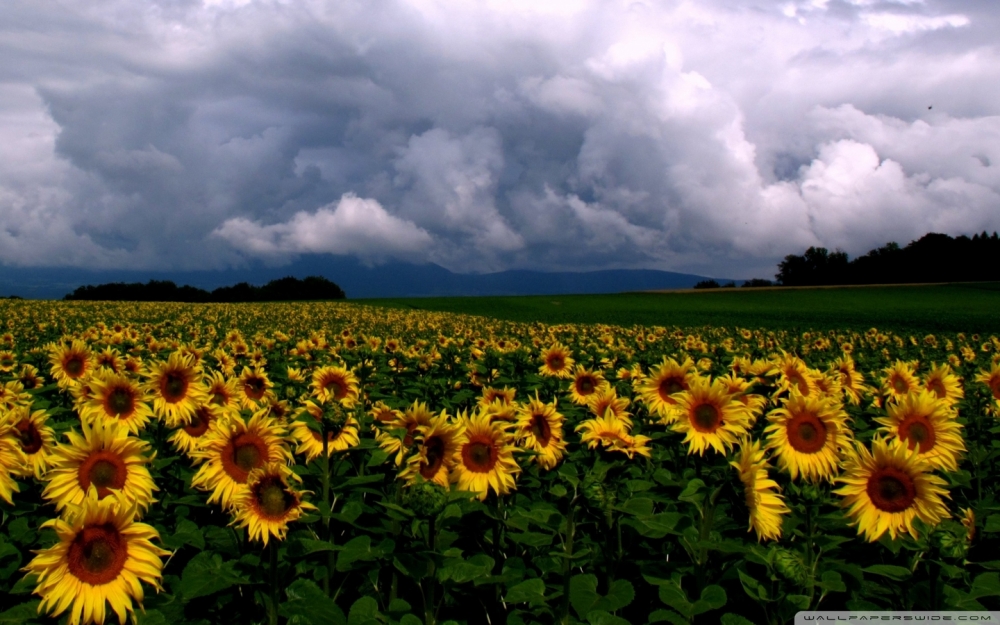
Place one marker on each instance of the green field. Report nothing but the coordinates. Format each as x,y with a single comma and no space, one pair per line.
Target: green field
968,307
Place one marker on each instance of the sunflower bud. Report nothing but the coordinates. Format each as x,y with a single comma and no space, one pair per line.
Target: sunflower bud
790,565
426,499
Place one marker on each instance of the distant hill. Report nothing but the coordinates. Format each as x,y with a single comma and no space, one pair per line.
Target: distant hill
356,280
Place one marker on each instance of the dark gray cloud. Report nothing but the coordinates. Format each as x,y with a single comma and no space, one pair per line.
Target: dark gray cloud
713,136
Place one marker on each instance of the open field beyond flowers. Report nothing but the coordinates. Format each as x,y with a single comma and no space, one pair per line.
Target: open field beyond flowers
329,463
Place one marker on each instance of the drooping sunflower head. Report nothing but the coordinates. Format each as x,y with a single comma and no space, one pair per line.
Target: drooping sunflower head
189,437
70,363
232,449
105,457
437,446
100,559
539,428
886,489
222,391
557,362
11,394
383,415
610,433
657,390
708,416
928,424
342,430
584,384
176,388
763,502
504,396
484,460
793,373
739,388
808,435
253,388
991,379
268,503
899,381
335,384
852,382
398,436
12,458
35,438
945,385
109,359
607,400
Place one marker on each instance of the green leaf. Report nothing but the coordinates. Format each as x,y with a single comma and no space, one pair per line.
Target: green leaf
657,525
10,560
409,619
187,533
600,617
799,601
364,612
992,523
349,513
462,571
207,574
531,591
357,549
619,595
531,539
669,616
692,492
734,619
752,587
897,573
20,531
985,585
712,598
831,581
584,598
638,506
309,605
300,547
21,613
150,617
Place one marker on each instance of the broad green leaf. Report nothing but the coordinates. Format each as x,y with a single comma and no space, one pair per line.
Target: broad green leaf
364,612
531,591
187,533
150,617
734,619
462,571
600,617
24,613
207,573
832,582
583,593
992,523
667,616
310,606
531,539
897,573
10,560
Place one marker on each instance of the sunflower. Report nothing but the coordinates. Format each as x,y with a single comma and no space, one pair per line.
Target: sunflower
658,388
382,414
342,435
337,384
708,415
117,398
792,373
926,422
608,400
232,449
437,446
70,363
991,379
485,458
100,559
899,380
222,392
886,489
852,383
808,434
540,428
189,437
612,434
504,396
415,416
28,376
12,459
585,383
556,362
7,361
941,381
763,502
268,504
253,388
738,388
109,359
105,457
36,439
12,394
177,388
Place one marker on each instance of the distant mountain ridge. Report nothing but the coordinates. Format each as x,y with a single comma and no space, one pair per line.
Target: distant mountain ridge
357,280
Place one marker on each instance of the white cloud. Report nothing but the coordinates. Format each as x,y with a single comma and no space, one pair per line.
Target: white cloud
354,226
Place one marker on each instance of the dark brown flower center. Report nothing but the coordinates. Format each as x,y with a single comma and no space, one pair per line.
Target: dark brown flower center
120,402
479,456
918,431
105,470
669,386
586,385
174,386
73,366
273,500
434,451
29,436
540,429
244,454
200,421
97,554
254,387
891,490
706,418
807,433
899,384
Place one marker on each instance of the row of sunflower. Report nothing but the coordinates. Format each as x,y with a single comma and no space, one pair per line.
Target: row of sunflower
891,448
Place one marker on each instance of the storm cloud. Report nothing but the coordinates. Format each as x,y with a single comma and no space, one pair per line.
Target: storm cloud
711,137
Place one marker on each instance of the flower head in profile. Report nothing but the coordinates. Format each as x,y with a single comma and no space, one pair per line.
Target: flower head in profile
761,492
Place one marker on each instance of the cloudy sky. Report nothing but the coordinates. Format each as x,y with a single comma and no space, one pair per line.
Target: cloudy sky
706,136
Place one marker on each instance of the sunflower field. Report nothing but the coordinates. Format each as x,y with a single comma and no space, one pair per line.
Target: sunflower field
330,463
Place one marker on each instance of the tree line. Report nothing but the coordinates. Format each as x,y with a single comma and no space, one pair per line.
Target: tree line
932,258
281,290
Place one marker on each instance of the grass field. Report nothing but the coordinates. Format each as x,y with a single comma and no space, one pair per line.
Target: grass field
936,308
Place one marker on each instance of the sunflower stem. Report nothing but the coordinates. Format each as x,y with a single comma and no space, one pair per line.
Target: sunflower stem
430,611
564,618
272,611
